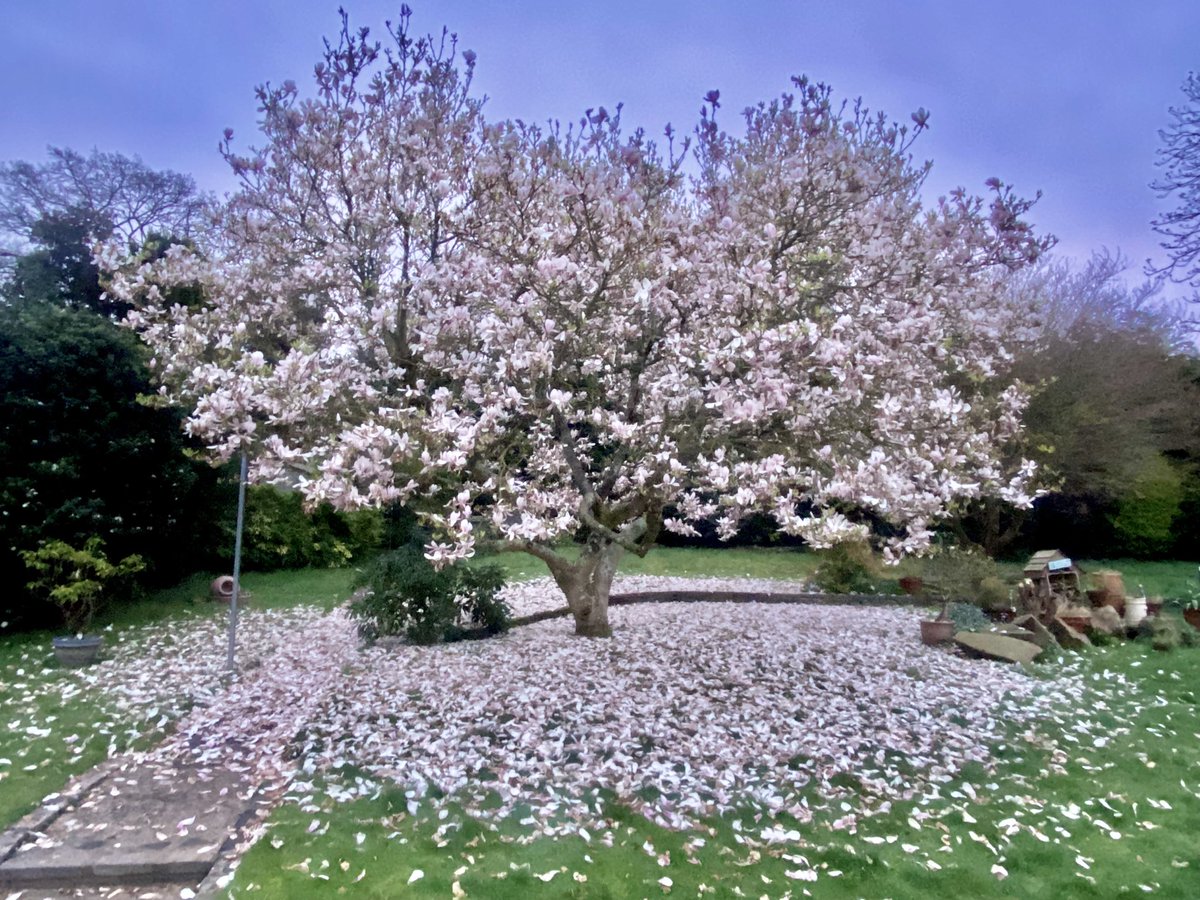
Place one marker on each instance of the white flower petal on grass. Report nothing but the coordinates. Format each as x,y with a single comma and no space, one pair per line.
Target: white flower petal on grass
416,876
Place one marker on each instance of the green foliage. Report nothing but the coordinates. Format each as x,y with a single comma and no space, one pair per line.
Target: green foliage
405,594
76,581
954,573
1149,507
992,593
80,456
847,568
967,617
61,270
280,534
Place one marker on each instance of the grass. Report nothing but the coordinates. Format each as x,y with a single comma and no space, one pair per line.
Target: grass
684,562
1098,803
1164,578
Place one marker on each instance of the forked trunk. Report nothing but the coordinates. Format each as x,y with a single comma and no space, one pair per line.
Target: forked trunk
586,585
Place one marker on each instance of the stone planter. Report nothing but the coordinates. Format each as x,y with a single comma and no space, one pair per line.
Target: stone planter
73,652
936,631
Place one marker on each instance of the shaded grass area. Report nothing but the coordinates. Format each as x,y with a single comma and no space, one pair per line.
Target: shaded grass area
1165,578
54,727
683,562
1098,801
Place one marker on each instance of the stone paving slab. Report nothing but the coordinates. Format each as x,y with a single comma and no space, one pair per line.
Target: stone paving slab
128,830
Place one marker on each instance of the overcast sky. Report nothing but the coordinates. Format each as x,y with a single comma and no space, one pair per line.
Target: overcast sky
1061,96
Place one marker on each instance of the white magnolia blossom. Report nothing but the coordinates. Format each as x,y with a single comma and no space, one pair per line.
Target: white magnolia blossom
540,333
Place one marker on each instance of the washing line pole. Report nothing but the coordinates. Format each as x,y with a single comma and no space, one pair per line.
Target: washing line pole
237,565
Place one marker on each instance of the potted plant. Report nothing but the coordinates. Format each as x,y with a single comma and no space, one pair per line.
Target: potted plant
939,630
1189,605
76,581
952,573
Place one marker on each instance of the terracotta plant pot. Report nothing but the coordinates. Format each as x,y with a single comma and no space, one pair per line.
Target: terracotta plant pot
936,631
1192,617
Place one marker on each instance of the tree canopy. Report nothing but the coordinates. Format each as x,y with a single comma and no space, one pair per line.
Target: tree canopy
541,332
1179,160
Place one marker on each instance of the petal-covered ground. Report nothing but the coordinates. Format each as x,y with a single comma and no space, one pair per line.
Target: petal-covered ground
689,710
148,677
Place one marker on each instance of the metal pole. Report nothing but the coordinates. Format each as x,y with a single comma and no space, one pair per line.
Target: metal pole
237,564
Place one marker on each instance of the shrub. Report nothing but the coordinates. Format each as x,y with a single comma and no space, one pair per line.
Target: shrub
967,617
992,593
76,580
280,534
405,594
80,456
1149,508
952,573
846,568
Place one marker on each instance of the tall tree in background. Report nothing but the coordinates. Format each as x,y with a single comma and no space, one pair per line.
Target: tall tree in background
121,191
1179,160
52,213
1115,416
80,455
545,333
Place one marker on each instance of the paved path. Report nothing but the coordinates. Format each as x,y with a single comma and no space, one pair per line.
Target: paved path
178,816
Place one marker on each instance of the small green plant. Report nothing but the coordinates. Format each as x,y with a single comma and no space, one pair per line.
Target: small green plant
405,595
847,568
993,593
967,617
1189,599
954,573
77,581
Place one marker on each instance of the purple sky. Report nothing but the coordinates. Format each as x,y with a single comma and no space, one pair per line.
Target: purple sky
1062,96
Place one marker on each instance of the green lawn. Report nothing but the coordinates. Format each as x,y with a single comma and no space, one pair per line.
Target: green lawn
729,562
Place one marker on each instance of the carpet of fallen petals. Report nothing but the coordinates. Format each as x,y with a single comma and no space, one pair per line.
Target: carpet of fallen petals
690,710
148,677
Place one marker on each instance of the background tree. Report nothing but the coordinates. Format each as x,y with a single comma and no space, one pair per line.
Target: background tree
1114,420
544,333
127,197
1179,160
80,457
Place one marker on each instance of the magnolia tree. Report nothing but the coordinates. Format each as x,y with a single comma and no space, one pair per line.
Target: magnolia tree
544,334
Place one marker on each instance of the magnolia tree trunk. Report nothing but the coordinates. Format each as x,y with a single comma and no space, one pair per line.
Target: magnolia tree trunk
586,585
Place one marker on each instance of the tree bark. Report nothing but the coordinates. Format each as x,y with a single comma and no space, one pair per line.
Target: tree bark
586,585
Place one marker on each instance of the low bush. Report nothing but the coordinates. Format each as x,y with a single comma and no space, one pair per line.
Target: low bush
847,568
993,594
280,534
403,594
953,573
967,617
78,581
